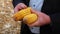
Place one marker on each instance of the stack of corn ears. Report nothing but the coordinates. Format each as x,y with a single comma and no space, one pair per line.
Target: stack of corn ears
7,24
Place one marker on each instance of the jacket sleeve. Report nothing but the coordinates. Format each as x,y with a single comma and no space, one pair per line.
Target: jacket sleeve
55,22
54,27
15,2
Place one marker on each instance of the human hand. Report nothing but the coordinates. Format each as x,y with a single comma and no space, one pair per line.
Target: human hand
19,7
43,19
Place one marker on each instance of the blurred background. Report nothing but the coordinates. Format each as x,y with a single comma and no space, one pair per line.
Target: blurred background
7,24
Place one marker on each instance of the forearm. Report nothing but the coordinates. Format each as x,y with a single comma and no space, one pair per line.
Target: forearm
53,19
47,19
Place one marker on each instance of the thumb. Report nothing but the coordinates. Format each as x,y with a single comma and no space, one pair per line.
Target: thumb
35,12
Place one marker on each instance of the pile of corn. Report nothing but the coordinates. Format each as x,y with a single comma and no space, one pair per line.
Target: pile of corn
7,24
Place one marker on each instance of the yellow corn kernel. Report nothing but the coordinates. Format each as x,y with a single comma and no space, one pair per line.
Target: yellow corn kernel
29,19
19,15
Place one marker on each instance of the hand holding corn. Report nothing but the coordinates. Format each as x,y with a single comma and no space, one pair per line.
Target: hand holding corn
26,16
33,18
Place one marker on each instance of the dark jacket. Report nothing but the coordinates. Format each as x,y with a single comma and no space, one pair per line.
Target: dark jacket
51,8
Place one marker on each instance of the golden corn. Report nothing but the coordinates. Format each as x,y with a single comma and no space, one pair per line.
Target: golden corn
29,19
19,15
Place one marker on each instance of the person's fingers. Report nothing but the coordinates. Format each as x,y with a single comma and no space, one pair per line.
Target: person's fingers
19,7
23,6
16,9
34,24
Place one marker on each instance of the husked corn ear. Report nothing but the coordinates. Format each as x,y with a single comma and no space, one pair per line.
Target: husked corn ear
29,19
19,15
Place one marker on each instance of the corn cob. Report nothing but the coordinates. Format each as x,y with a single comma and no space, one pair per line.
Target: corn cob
19,15
29,19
